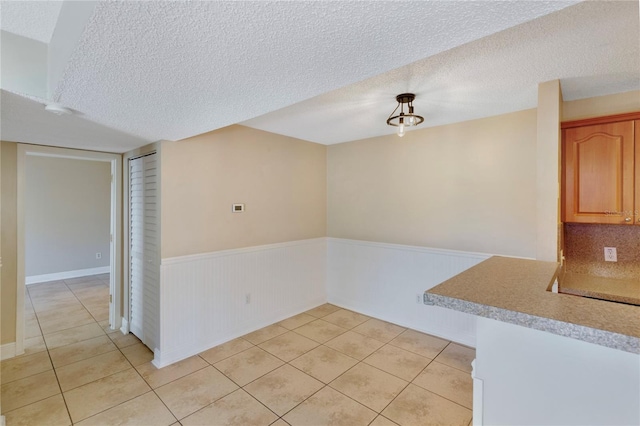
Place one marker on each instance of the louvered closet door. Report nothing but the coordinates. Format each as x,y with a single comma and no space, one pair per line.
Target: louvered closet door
144,268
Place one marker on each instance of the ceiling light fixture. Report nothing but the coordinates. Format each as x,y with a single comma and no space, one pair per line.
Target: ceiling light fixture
403,120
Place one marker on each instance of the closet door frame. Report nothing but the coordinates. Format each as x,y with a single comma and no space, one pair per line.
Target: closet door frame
144,291
146,150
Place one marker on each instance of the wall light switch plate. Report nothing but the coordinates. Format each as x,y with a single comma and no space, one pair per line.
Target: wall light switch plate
237,208
610,254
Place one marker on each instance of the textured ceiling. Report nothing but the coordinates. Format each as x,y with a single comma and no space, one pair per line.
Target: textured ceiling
169,70
593,48
31,19
25,120
321,71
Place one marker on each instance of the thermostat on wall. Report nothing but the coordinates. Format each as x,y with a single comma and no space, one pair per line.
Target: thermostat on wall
238,208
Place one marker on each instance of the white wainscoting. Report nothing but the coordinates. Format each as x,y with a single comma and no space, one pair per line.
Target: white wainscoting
203,297
65,275
385,280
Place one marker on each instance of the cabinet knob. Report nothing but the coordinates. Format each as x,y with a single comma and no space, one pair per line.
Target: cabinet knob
627,219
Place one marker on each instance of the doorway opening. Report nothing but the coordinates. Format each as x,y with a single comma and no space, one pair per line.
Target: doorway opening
85,294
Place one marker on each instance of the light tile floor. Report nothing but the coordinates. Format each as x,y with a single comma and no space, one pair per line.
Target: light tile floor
327,366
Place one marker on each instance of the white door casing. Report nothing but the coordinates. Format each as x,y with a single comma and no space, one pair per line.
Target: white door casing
115,268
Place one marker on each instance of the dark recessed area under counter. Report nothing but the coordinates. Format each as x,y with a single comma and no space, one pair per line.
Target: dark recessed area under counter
611,289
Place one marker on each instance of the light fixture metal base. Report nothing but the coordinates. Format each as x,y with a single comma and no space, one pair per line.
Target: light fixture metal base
405,98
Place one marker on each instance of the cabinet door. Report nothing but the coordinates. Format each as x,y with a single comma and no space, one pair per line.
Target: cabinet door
599,173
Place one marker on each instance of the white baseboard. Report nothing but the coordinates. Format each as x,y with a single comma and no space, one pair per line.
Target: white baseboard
163,359
125,326
465,336
8,350
34,279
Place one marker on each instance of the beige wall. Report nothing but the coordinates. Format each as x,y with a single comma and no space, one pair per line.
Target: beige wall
601,105
466,186
67,214
8,233
281,180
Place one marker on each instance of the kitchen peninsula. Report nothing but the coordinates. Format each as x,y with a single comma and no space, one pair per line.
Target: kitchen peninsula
543,357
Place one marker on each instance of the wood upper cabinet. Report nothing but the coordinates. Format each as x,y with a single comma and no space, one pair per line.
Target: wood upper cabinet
600,180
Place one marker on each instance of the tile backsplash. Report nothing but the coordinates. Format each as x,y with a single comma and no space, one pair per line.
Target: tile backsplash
584,250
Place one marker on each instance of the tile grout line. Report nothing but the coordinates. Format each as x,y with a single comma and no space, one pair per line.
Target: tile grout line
235,390
103,377
134,369
409,382
324,385
351,368
79,300
328,347
84,359
117,348
55,373
58,331
138,373
421,371
301,402
162,400
386,418
49,353
249,393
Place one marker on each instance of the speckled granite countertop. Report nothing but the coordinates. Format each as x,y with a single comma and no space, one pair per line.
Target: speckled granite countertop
515,291
616,290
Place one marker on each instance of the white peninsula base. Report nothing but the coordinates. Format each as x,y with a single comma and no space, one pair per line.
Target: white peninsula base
524,376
